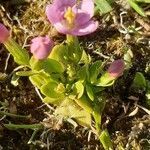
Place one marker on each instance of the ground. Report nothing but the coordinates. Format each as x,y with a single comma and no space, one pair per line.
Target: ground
128,124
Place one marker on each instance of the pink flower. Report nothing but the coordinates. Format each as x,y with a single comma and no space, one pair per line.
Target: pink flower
4,33
68,17
116,68
41,47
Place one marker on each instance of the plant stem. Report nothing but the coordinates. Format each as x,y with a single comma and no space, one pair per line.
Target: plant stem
14,115
24,126
72,39
32,137
105,140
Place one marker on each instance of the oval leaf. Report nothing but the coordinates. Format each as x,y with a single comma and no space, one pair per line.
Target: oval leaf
48,65
50,90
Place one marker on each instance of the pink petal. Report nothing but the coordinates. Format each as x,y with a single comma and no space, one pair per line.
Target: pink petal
85,29
81,17
61,28
87,6
54,15
41,47
62,3
55,11
4,33
116,68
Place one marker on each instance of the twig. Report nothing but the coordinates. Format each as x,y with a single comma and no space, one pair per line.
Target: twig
40,96
146,110
6,63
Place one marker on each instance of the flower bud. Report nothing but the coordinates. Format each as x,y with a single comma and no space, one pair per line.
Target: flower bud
4,33
41,47
116,68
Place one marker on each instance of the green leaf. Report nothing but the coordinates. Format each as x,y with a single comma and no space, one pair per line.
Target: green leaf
105,140
48,65
86,59
59,53
15,80
89,91
39,80
98,89
99,104
105,80
139,81
54,101
69,109
98,107
148,99
85,103
81,74
136,7
74,49
143,1
128,58
51,89
26,73
79,88
95,69
20,55
103,5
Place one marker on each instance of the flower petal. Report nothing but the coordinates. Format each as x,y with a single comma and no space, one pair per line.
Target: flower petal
4,33
41,47
54,15
85,29
81,17
116,68
62,3
87,6
61,28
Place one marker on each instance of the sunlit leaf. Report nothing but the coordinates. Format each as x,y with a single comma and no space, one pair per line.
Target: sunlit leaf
95,70
59,53
85,58
54,101
74,49
26,73
105,140
85,103
48,65
136,7
103,6
39,79
20,55
105,80
69,109
79,88
89,91
143,1
15,80
51,90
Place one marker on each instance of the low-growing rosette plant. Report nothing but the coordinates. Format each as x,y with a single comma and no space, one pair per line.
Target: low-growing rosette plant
67,77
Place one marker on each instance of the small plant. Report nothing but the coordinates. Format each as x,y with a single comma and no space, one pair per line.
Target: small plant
67,76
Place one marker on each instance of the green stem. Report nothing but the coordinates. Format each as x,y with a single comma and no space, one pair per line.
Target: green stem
105,140
97,118
24,126
32,137
85,103
142,1
72,39
14,115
